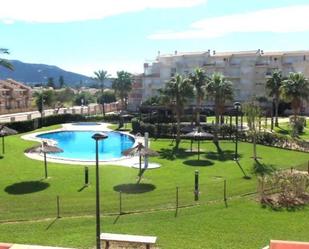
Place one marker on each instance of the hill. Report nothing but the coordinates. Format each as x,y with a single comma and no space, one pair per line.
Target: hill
32,74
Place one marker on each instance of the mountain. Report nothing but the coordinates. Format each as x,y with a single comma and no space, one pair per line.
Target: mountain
39,73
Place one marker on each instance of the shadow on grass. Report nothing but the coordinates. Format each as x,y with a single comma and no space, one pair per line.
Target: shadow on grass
172,154
134,188
242,170
225,155
52,223
21,188
282,131
198,163
82,188
1,156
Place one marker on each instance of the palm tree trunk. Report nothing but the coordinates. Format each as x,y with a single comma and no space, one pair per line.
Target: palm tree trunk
178,127
216,130
103,107
276,110
198,104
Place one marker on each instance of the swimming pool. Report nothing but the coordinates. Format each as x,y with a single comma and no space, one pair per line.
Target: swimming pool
78,145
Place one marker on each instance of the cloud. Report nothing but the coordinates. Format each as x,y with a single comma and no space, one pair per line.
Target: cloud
60,11
279,20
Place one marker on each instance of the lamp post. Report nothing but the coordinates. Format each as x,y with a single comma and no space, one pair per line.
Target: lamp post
42,104
237,106
97,137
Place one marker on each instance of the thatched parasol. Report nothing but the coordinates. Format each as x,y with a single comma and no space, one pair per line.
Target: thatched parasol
6,131
45,149
199,135
140,150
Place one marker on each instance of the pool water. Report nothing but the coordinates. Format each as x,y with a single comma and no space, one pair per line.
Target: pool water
79,144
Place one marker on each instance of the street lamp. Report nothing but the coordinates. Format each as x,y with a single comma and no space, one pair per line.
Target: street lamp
42,104
237,106
97,137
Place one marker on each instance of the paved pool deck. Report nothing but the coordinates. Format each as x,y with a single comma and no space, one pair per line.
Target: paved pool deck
100,127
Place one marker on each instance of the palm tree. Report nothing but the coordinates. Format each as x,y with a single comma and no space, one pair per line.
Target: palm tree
198,79
122,85
220,90
176,92
273,84
295,89
101,76
3,62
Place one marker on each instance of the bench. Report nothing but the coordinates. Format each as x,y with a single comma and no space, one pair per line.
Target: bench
137,239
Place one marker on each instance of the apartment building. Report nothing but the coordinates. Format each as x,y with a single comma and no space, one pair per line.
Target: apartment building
247,70
14,96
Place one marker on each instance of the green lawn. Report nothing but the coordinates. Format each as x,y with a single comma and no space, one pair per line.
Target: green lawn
26,196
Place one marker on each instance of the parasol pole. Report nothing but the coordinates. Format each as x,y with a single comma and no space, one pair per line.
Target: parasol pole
45,164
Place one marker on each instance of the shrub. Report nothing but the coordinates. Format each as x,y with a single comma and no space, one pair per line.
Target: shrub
289,189
277,140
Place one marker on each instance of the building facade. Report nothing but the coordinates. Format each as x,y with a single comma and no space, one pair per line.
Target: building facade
247,70
14,96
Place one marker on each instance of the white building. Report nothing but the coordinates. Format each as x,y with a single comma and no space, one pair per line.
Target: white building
247,70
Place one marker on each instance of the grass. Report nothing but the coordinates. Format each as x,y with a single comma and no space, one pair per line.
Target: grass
26,196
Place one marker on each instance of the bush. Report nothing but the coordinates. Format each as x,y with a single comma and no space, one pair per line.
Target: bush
168,129
277,140
290,189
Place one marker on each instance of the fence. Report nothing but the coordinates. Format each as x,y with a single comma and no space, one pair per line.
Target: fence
126,198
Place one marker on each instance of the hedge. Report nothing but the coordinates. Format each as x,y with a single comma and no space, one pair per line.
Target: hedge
168,129
278,140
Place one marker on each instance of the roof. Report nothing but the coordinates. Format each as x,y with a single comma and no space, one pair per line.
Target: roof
278,244
15,85
237,53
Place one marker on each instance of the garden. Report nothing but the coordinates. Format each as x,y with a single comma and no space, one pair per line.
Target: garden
60,210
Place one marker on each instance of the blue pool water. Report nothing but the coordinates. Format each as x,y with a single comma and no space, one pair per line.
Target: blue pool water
80,145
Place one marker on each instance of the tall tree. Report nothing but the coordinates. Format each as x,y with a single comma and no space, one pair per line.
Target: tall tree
44,98
3,62
50,82
101,76
295,89
273,84
198,79
122,85
61,81
176,92
220,90
252,112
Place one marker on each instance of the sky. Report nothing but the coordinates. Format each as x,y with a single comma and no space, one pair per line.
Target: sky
86,36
